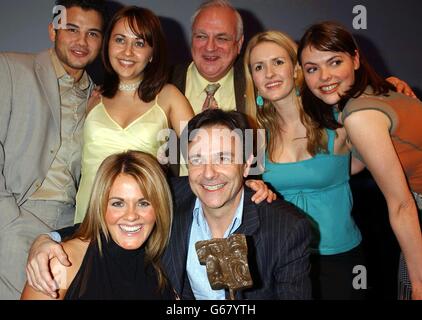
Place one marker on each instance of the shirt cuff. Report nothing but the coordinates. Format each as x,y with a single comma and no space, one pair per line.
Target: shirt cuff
55,236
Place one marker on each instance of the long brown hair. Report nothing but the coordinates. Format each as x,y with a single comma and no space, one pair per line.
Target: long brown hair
152,182
146,25
332,36
267,116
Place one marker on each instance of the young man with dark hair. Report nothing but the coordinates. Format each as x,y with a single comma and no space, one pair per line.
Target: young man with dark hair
42,109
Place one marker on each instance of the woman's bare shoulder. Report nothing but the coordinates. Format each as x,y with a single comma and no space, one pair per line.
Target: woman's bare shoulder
75,250
170,91
76,247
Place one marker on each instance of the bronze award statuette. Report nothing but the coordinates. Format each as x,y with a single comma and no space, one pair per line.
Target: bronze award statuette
227,262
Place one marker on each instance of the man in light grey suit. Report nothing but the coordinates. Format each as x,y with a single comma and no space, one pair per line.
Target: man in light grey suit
42,108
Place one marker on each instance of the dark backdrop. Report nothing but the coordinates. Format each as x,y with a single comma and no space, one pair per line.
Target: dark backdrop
392,39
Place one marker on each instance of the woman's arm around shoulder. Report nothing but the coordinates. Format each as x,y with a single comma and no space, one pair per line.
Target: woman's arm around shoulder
63,275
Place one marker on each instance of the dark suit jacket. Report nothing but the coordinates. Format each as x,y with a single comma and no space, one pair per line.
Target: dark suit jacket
178,78
278,238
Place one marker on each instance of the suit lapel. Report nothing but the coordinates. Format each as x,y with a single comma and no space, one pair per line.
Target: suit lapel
179,73
250,225
178,247
182,241
49,83
178,76
250,219
239,85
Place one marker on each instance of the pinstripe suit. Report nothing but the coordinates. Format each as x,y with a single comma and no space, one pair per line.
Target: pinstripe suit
278,238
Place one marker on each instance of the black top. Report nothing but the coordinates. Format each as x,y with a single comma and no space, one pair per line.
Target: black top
117,274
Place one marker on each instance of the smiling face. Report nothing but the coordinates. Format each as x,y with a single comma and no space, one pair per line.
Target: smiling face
329,75
214,44
128,53
273,72
79,44
216,168
130,218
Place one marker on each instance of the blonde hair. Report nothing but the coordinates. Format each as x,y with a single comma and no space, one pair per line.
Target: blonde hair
152,182
267,116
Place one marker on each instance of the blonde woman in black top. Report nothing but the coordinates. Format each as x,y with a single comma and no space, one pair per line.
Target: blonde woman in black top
116,251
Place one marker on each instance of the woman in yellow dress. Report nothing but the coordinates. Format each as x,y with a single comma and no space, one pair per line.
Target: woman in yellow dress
136,106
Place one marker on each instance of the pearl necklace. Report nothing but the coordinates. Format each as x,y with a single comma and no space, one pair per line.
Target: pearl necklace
129,86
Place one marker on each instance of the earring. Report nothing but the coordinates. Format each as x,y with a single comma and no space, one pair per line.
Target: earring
259,101
297,92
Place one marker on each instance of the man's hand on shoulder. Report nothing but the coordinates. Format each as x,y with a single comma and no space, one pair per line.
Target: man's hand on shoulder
38,266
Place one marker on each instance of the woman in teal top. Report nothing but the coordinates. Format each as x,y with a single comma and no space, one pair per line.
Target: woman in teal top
320,187
306,163
383,126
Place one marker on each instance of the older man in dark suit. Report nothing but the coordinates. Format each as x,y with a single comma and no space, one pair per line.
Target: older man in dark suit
217,38
215,77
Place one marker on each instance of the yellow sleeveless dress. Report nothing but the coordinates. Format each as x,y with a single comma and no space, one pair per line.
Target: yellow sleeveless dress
103,137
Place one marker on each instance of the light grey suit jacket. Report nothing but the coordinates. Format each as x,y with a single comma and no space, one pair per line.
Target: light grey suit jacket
29,127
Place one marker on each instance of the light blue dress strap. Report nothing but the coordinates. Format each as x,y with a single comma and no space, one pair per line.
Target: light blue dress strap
335,114
332,133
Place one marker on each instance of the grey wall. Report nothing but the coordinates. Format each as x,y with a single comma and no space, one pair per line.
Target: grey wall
393,39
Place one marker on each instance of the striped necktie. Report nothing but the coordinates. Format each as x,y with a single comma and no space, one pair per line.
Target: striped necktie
210,101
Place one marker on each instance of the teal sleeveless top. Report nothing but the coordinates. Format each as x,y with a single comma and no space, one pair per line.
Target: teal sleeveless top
320,188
